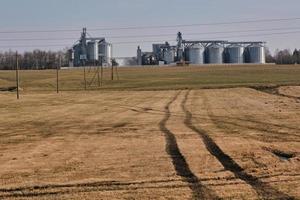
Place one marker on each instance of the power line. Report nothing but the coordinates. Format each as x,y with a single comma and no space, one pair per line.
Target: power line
41,31
262,34
248,35
155,35
200,24
204,33
152,41
45,45
157,27
37,39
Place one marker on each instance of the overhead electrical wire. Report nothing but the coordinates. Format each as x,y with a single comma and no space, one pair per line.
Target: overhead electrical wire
200,24
155,35
37,39
156,27
252,35
248,35
204,33
144,41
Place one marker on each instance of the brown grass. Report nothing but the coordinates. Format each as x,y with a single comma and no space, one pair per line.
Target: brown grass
149,145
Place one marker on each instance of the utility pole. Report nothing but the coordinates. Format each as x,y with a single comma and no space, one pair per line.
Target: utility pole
57,69
101,76
17,75
101,60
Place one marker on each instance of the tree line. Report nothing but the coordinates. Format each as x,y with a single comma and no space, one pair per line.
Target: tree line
36,59
283,57
39,59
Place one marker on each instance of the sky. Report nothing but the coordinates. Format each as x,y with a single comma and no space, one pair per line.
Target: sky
41,15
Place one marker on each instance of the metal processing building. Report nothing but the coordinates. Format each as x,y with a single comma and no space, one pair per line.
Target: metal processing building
90,51
204,52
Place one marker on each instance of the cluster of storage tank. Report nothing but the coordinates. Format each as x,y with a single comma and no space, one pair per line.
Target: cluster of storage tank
219,54
100,52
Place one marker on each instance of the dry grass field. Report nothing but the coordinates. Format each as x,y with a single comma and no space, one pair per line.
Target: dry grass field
156,78
208,137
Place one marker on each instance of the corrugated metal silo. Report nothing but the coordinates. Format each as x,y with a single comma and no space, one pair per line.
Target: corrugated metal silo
256,54
214,54
92,50
157,50
77,53
105,52
169,56
195,54
235,54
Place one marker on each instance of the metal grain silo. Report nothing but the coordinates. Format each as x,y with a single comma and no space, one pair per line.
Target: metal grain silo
77,53
105,52
214,53
255,53
195,54
92,50
235,54
169,56
157,50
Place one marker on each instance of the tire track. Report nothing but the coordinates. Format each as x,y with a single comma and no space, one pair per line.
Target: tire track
274,91
264,190
181,166
104,186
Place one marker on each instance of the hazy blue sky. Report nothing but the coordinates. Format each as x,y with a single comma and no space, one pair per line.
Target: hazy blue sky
75,14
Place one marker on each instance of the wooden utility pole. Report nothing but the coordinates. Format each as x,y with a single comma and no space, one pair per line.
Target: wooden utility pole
57,69
17,74
101,65
101,75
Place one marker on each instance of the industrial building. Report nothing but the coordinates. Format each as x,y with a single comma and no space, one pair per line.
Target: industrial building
90,51
203,52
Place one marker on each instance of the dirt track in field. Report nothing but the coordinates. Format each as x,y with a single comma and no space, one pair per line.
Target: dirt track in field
179,162
201,144
264,190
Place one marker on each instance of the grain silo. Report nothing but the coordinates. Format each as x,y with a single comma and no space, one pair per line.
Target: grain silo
169,55
255,53
234,54
105,53
195,54
214,54
92,50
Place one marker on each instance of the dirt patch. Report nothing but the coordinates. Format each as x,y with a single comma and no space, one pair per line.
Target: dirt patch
290,90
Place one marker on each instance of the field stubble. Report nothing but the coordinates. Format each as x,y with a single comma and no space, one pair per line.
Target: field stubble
234,143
